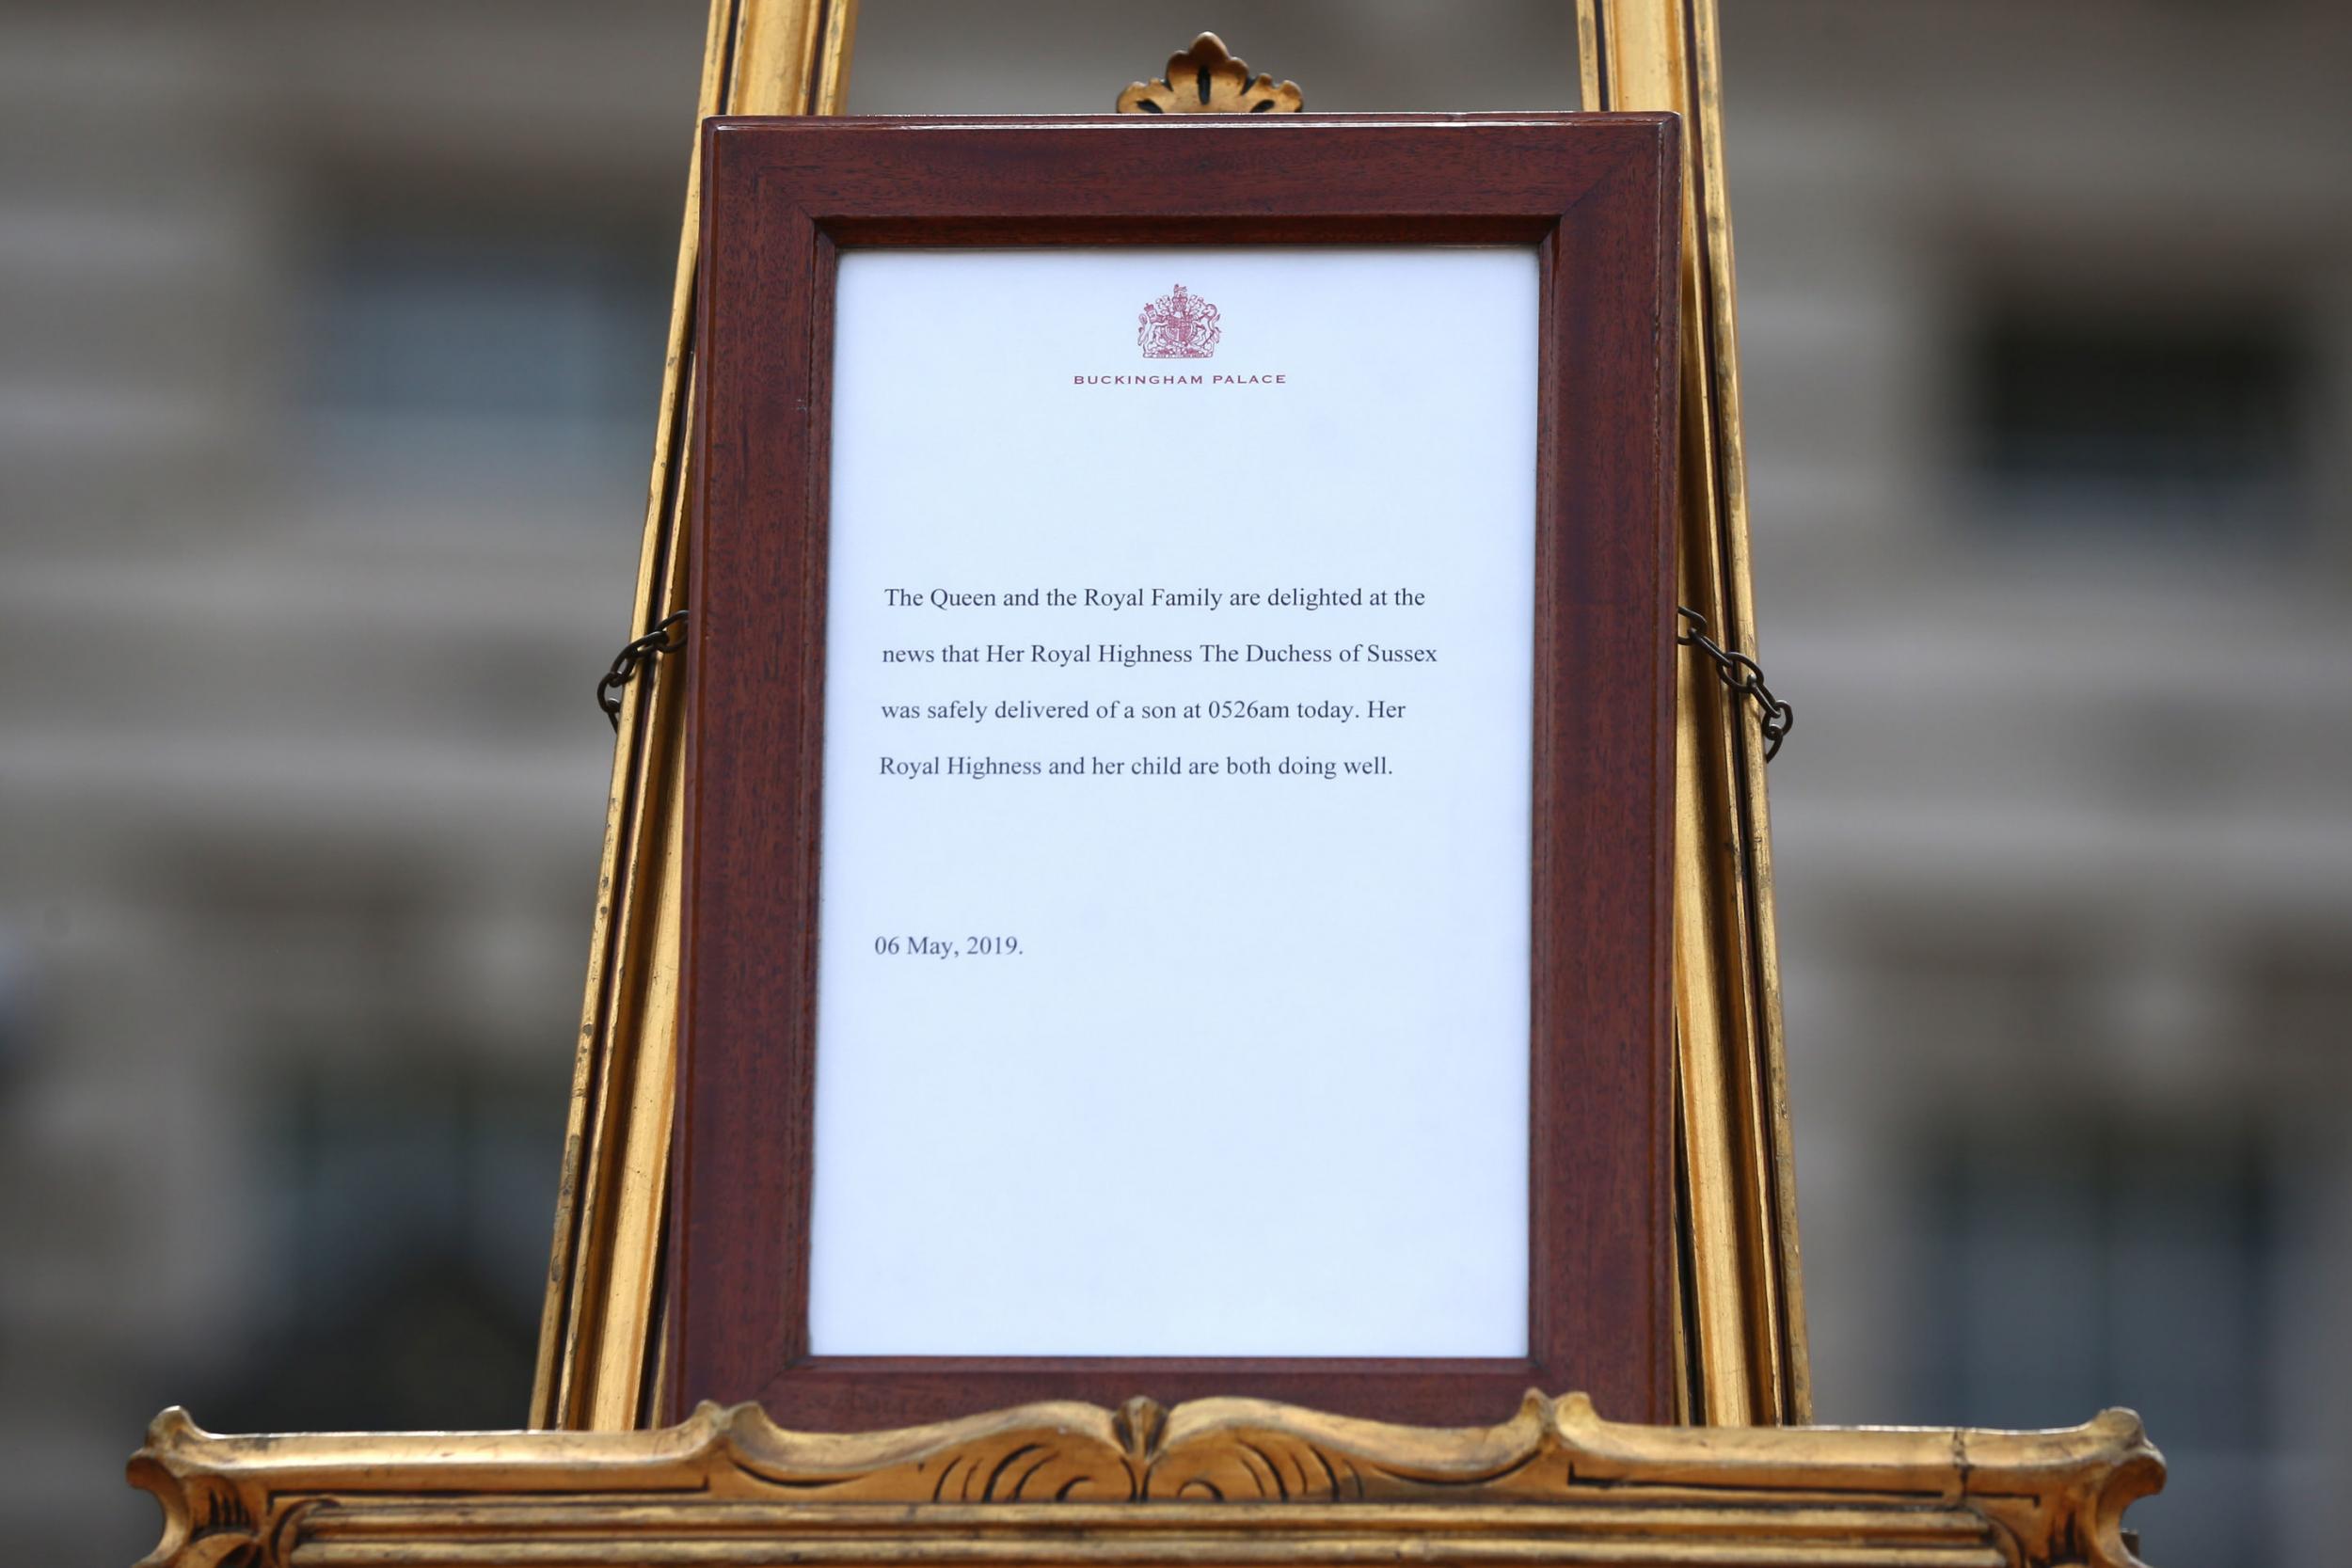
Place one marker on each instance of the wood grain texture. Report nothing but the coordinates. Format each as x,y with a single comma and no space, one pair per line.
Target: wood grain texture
1220,1482
1599,197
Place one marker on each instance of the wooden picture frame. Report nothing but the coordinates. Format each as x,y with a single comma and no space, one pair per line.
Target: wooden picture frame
1598,197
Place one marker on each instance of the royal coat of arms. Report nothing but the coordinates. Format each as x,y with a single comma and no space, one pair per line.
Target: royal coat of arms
1179,326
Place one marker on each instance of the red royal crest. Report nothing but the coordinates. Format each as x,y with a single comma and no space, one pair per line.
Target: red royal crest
1177,326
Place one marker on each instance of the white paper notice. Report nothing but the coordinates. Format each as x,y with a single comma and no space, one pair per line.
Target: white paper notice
1174,944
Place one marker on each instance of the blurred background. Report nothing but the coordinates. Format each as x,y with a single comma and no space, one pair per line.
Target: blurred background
329,341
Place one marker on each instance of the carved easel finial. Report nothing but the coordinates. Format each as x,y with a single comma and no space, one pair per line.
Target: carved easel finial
1205,79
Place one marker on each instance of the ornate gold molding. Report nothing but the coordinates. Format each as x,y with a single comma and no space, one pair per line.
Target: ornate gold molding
1205,79
1216,1481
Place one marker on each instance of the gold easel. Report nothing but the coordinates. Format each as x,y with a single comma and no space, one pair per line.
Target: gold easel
1744,1361
1216,1480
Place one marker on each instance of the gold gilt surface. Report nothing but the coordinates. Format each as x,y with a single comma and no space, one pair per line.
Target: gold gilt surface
1205,79
1742,1288
1215,1481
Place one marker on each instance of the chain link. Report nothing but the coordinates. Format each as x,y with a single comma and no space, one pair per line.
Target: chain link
1745,677
1741,674
630,659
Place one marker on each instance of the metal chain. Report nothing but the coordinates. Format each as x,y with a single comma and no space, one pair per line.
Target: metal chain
627,662
1741,673
1745,677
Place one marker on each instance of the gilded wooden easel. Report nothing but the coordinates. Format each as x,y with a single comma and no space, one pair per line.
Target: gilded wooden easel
1743,1359
1218,1479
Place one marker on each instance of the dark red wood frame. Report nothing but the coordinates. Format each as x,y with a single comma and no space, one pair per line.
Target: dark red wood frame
1599,197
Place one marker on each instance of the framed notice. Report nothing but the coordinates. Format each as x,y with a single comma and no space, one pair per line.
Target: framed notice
1179,767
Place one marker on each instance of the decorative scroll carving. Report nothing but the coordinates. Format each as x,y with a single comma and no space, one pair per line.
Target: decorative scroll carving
1214,1479
1205,79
